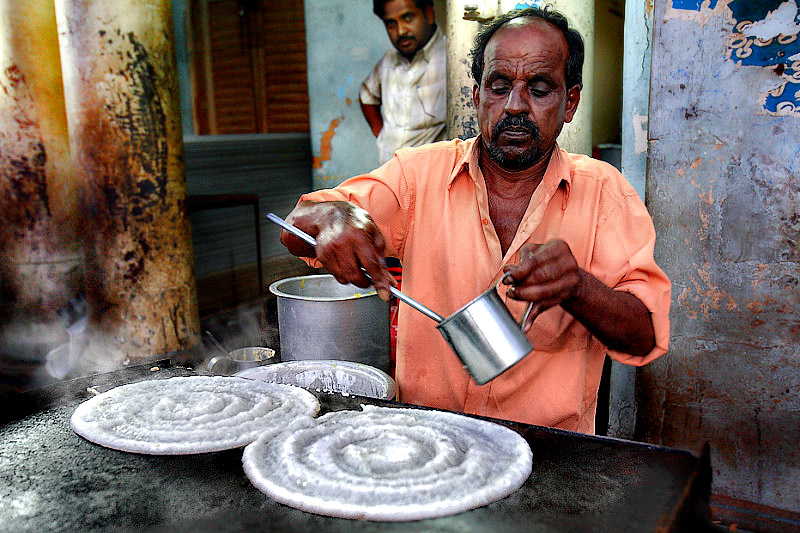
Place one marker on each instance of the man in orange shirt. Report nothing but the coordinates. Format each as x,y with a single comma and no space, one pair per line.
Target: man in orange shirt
570,234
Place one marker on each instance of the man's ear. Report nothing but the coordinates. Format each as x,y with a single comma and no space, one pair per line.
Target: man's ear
476,96
430,14
573,98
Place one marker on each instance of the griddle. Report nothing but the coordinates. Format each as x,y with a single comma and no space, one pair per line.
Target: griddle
53,480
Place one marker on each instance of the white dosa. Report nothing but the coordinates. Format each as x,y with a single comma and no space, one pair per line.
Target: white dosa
388,464
185,415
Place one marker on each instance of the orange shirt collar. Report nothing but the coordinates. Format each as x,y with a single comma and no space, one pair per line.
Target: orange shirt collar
557,172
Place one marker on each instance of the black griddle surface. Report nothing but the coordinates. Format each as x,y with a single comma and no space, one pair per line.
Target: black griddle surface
53,480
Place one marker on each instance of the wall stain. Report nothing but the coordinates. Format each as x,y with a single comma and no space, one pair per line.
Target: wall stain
136,109
706,200
684,298
707,296
325,145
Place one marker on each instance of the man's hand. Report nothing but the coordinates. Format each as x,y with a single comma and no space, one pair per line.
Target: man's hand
372,114
347,241
548,275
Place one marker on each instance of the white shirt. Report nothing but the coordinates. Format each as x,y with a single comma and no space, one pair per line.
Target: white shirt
412,95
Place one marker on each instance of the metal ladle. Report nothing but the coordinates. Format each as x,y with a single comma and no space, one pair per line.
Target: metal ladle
297,232
483,333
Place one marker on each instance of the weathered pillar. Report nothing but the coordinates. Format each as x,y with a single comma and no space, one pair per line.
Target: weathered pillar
40,259
635,106
577,135
461,119
122,106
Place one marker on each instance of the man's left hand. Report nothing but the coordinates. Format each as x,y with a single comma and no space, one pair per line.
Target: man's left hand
547,275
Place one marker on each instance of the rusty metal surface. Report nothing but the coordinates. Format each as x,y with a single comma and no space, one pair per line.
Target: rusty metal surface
52,479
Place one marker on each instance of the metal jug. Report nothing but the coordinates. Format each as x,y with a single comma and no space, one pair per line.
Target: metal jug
486,337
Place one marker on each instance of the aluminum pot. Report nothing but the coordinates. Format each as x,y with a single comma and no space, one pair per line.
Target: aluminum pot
319,319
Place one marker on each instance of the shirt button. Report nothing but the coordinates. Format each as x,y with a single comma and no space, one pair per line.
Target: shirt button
485,222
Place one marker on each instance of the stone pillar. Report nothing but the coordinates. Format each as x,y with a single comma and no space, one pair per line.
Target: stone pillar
40,258
577,135
124,120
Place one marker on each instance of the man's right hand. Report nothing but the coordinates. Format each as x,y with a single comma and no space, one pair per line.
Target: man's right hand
347,241
372,114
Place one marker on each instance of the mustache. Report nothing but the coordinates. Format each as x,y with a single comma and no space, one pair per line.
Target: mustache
515,121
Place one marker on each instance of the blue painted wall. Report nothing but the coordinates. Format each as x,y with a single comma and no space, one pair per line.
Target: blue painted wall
344,40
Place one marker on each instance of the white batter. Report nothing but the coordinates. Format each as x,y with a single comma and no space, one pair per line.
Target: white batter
389,464
196,414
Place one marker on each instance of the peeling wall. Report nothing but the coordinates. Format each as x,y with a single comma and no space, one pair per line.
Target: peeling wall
342,144
724,193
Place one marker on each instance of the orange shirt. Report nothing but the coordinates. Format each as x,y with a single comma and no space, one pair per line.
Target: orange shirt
431,204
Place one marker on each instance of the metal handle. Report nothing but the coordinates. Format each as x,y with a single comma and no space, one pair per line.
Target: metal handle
297,232
528,309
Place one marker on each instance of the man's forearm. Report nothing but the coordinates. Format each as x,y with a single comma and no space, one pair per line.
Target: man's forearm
618,319
372,113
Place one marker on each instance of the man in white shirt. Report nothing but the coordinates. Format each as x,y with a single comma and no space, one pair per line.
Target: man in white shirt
404,99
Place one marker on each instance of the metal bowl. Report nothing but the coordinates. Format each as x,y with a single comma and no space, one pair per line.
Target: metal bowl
322,319
241,359
342,377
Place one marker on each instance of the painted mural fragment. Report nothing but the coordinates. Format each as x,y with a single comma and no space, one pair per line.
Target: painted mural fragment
765,35
694,5
529,3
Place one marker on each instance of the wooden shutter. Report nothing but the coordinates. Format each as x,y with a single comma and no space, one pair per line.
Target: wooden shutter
249,64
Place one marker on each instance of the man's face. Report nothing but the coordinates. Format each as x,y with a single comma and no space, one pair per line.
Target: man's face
522,101
409,27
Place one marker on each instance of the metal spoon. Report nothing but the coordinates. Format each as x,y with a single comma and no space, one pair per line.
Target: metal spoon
310,240
216,342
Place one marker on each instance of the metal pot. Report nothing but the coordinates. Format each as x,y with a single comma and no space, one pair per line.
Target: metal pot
319,318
